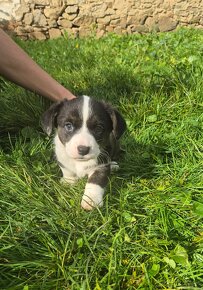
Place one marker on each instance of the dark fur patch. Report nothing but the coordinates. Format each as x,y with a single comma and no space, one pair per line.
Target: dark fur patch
71,112
100,176
99,122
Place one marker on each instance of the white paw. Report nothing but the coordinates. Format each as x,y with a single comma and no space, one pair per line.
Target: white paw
92,197
114,166
69,180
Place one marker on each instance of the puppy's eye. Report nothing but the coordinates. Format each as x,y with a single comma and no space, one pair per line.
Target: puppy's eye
69,127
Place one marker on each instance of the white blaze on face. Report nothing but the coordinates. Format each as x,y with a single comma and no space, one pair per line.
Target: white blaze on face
86,111
83,136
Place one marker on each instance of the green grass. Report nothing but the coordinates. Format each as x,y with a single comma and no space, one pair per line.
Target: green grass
149,234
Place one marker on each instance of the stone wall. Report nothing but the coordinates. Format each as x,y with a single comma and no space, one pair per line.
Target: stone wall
41,19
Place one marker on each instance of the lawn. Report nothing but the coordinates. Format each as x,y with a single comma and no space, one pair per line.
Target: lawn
149,234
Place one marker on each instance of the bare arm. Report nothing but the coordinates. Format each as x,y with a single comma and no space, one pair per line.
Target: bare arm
18,67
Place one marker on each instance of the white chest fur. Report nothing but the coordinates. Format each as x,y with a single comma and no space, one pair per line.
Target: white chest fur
76,167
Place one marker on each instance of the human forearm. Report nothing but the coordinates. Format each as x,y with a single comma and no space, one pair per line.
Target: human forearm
18,67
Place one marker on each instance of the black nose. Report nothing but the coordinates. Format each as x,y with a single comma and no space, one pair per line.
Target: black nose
83,150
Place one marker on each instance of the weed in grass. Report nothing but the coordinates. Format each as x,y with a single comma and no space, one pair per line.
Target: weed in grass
149,233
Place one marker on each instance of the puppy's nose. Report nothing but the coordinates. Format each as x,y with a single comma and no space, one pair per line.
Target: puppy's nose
83,150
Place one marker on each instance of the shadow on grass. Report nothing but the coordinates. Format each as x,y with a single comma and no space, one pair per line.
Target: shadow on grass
112,84
141,160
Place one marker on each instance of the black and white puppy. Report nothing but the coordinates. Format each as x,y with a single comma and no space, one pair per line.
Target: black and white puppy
86,143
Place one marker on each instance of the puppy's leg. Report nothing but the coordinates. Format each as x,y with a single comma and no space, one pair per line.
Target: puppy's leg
94,189
68,176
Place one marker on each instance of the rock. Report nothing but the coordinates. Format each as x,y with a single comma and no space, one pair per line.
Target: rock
198,27
118,29
42,2
99,14
151,23
109,11
119,5
84,20
113,17
20,12
136,20
64,23
139,28
123,12
40,28
98,6
142,19
28,29
84,31
28,19
52,23
73,2
72,9
39,18
123,22
100,33
159,3
105,20
99,10
180,12
110,28
52,13
75,31
70,33
166,23
54,33
194,19
183,20
20,31
101,27
56,3
109,3
132,20
37,35
148,5
132,12
70,17
115,21
129,31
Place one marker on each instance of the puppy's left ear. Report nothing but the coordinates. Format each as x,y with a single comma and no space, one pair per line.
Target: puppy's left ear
48,120
119,124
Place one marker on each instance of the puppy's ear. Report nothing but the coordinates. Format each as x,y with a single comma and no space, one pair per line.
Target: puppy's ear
119,124
48,120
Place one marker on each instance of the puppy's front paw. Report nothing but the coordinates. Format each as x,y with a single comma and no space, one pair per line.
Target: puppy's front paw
92,197
114,166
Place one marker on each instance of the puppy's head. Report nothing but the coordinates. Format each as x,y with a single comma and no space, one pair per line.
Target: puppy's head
84,126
